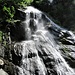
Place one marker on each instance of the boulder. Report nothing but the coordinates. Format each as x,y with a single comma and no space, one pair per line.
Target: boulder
2,72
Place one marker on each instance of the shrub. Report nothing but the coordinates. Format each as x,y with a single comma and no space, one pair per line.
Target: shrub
8,8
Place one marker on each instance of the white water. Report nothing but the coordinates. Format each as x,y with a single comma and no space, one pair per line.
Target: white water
60,64
31,62
40,40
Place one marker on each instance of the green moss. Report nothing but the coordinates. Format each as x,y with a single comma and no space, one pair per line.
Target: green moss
65,49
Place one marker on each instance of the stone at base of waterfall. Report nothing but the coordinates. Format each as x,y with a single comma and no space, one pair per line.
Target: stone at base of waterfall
2,72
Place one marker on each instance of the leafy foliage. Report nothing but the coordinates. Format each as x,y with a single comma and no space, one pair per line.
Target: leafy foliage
8,8
7,13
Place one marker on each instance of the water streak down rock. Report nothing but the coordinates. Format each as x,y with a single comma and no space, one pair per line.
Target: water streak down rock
39,51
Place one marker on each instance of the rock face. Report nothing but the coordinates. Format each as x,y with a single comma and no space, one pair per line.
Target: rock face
2,72
42,47
30,63
41,52
68,52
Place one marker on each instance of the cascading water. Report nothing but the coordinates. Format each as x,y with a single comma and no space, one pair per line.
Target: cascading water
39,52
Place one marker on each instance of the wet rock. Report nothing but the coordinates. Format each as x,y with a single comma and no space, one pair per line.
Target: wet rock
30,62
67,37
7,66
68,52
17,34
2,72
2,52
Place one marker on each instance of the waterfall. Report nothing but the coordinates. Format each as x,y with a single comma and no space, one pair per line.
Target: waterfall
39,52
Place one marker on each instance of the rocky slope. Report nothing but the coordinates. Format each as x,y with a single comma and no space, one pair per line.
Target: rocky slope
42,47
